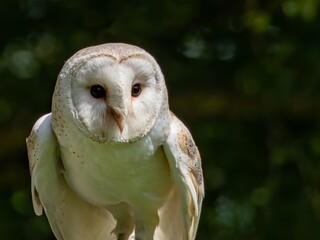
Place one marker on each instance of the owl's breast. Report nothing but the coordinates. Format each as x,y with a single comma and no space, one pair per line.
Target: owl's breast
106,174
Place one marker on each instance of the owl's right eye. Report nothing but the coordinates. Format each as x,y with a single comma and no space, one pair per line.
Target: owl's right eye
97,91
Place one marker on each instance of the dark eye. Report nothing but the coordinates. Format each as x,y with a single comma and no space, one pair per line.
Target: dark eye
136,90
97,91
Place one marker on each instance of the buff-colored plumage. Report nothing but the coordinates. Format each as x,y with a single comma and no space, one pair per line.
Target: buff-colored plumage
112,162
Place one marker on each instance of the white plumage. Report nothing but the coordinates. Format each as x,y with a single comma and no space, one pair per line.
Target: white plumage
111,161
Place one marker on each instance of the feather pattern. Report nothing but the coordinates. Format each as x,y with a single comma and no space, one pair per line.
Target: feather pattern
185,164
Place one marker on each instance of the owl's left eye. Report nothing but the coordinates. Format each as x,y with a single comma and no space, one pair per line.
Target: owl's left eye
97,91
136,90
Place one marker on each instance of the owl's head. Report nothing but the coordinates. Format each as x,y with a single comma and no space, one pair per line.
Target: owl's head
112,92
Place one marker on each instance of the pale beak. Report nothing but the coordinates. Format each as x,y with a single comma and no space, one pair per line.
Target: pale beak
118,119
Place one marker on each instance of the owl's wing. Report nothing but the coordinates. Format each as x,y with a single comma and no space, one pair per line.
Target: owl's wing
69,216
185,164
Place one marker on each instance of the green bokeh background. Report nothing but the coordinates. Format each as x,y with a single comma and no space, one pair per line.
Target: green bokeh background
243,75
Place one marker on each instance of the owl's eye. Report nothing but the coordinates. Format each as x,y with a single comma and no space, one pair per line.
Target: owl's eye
136,90
97,91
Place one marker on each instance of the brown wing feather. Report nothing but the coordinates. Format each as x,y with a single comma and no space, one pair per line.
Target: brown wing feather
185,163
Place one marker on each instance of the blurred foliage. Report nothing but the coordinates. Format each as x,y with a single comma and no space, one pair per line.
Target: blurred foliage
243,75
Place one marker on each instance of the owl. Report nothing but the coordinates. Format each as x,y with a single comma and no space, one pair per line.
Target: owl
111,161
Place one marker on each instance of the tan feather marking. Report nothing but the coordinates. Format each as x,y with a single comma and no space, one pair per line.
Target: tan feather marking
194,181
192,227
188,146
136,55
192,208
192,216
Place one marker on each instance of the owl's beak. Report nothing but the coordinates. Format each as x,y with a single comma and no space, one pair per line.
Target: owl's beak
118,119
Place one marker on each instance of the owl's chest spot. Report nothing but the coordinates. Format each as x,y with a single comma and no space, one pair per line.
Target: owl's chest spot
108,174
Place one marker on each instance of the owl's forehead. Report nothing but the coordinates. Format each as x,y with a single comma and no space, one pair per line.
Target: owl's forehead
108,66
105,68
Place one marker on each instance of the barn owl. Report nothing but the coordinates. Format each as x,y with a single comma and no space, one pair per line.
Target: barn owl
111,161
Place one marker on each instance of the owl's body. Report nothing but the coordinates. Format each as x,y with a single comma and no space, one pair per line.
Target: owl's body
116,173
111,161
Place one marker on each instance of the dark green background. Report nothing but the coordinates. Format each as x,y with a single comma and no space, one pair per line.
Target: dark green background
243,75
